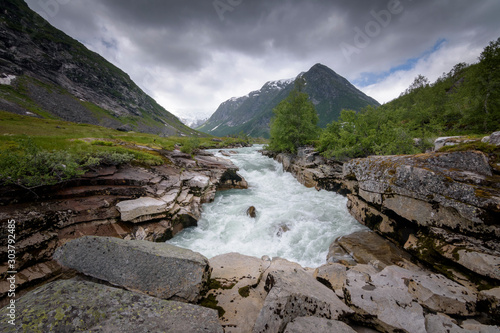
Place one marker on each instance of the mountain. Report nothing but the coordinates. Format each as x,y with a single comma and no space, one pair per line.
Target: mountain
251,114
45,73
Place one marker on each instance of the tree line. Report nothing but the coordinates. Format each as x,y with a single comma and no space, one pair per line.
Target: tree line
464,101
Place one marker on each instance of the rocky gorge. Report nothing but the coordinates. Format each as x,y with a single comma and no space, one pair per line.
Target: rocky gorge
430,265
130,202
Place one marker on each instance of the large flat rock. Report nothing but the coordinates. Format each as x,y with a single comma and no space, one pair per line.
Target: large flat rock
157,269
77,306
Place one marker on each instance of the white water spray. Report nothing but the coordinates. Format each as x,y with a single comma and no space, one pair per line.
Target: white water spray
292,222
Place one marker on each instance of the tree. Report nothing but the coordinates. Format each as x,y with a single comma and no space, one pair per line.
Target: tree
294,123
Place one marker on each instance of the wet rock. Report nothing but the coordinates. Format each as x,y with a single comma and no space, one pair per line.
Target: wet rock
69,305
252,212
317,325
160,270
292,293
282,229
368,247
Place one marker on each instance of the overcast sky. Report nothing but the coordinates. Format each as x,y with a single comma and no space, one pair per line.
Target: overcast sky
192,55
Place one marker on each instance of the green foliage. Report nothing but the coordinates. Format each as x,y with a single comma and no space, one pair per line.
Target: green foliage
294,123
190,146
30,166
465,100
363,134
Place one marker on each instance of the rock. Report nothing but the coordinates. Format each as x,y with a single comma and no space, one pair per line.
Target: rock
238,293
130,210
125,128
232,180
490,301
336,254
69,305
471,325
442,323
445,141
317,325
252,212
433,291
368,247
292,293
160,270
388,306
282,229
333,276
439,206
493,139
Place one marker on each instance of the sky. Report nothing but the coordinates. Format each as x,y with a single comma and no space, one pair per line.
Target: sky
192,55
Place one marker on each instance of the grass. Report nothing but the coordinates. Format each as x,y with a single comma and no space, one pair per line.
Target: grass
63,149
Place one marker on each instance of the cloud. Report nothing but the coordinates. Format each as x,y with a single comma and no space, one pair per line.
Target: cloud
192,55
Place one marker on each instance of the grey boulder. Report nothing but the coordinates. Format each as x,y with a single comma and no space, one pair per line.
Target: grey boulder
157,269
76,306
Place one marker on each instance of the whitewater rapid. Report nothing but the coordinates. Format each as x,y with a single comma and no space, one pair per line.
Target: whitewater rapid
292,222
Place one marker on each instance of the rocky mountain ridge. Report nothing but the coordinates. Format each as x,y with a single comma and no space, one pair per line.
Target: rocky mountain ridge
45,73
251,114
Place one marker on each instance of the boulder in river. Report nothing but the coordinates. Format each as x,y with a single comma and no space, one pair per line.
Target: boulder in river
158,269
252,212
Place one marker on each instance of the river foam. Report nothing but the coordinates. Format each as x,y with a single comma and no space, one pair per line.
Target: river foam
292,222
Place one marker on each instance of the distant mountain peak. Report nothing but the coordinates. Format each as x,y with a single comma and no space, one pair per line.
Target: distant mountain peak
251,114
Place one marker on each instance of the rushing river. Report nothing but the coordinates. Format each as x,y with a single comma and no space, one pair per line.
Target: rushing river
292,222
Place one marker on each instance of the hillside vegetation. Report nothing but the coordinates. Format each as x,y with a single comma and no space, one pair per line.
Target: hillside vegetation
46,73
464,101
58,150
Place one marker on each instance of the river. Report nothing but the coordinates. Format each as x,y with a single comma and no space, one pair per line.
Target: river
292,221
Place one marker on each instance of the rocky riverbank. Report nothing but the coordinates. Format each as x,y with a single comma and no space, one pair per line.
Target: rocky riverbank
141,286
370,283
441,207
129,202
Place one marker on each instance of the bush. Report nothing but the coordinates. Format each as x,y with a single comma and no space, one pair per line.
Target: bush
191,145
31,166
28,165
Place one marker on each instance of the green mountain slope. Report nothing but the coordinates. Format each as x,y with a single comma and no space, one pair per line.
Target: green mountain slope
464,101
45,73
251,114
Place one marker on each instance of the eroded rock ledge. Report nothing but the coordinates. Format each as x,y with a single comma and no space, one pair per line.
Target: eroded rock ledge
125,202
444,208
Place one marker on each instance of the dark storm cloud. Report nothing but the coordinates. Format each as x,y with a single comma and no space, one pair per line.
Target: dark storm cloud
220,41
